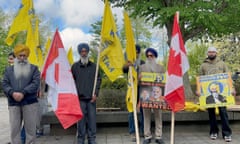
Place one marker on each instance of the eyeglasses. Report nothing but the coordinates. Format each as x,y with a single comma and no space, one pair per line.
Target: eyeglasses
149,55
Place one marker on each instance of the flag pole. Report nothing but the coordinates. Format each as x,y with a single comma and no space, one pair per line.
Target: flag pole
134,107
97,68
172,128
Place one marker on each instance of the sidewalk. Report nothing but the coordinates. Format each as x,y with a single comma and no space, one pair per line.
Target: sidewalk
189,133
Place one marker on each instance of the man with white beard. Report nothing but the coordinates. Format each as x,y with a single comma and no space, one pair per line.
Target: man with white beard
152,66
84,76
21,84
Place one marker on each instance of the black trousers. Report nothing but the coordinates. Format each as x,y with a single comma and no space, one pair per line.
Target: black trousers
226,130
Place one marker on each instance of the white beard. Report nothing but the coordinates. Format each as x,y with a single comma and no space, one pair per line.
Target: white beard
21,69
84,60
151,65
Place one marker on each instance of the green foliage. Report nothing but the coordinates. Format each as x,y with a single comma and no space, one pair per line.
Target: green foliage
196,56
197,18
112,94
141,31
112,98
4,49
119,84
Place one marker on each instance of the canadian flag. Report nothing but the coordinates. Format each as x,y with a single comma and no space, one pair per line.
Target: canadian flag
62,92
177,66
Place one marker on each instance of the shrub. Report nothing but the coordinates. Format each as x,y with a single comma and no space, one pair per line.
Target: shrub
112,98
112,94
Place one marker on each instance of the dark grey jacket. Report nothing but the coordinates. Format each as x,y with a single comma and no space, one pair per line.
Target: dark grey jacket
29,86
84,76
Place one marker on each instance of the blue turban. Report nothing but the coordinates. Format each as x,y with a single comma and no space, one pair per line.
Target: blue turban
138,48
153,51
81,46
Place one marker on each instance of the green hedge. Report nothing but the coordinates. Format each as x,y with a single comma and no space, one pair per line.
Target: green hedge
112,94
112,98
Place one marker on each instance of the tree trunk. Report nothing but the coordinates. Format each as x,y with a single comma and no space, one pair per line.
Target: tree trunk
189,95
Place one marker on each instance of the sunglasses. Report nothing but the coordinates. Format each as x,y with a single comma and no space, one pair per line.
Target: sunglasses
149,55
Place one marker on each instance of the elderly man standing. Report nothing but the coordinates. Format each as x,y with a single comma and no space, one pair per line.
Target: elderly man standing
84,75
20,84
152,67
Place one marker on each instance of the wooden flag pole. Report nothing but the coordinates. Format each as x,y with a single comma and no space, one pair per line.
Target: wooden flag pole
134,107
172,128
96,73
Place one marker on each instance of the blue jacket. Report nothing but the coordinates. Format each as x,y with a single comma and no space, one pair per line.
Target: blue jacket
29,86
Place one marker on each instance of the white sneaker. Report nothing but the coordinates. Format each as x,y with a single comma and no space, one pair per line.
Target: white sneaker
227,138
213,136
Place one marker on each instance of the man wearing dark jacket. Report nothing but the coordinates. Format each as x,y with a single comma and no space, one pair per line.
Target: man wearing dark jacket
131,126
84,75
21,84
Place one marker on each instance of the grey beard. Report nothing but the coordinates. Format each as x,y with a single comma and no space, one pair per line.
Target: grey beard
84,60
21,69
151,65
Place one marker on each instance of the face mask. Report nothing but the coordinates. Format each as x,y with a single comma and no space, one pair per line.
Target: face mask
212,57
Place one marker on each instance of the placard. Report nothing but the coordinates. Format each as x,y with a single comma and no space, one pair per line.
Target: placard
152,90
215,90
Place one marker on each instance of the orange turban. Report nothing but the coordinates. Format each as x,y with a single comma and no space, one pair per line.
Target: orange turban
21,48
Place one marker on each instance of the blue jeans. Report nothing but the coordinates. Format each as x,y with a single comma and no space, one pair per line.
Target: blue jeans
226,130
131,126
87,123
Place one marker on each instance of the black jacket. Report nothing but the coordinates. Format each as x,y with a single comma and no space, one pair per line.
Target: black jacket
210,99
29,86
84,76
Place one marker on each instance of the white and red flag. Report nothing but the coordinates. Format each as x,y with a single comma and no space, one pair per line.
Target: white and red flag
62,92
177,67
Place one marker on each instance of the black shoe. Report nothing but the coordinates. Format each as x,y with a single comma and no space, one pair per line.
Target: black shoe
159,141
147,141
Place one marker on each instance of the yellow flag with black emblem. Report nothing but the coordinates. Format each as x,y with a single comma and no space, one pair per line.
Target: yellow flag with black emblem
111,55
21,21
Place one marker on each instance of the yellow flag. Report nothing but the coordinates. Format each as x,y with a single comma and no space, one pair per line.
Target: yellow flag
130,100
111,56
131,97
21,21
38,47
130,45
70,56
31,43
39,57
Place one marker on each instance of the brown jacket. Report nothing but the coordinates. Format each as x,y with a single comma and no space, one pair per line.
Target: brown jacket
213,67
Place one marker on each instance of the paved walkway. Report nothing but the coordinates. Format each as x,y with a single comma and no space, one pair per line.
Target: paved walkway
188,133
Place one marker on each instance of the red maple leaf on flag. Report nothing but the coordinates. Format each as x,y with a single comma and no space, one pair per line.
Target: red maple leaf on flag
177,66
